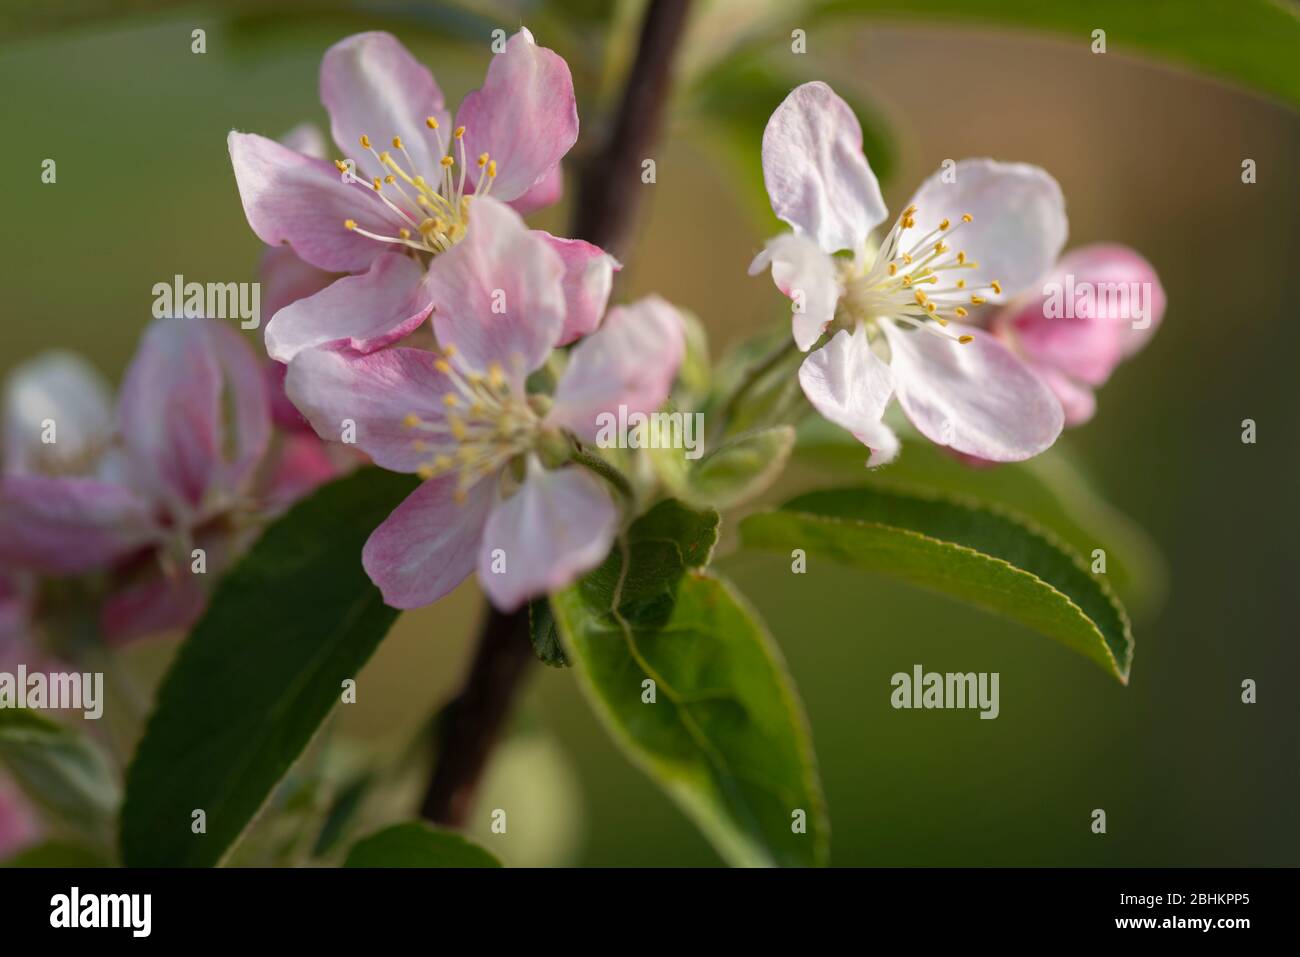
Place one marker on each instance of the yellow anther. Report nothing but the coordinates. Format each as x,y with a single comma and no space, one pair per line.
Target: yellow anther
907,259
944,224
909,211
961,256
451,400
943,322
965,339
920,298
997,286
967,218
390,179
907,279
496,375
410,420
961,283
893,269
492,169
341,166
425,473
930,307
459,132
349,224
482,160
442,462
457,427
428,226
977,300
446,161
397,142
940,248
449,351
377,183
365,142
443,366
961,312
404,233
431,122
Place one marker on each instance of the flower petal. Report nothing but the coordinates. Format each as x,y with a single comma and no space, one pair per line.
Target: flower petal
630,361
154,605
498,294
808,277
817,178
525,116
64,389
558,525
850,385
363,312
974,397
1078,399
294,199
68,525
371,85
429,544
1098,306
172,412
1019,222
286,278
301,464
306,138
588,279
375,392
547,192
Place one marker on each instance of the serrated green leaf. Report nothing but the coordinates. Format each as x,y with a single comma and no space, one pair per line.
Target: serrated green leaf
259,673
987,557
62,770
1250,41
725,736
416,844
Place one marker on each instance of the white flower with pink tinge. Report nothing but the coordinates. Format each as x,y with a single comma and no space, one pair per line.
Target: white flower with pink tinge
900,309
499,492
418,180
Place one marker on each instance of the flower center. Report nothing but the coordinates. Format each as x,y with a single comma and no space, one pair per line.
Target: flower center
918,281
435,210
487,424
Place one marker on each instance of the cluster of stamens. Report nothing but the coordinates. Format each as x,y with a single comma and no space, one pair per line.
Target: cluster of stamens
919,284
436,214
487,423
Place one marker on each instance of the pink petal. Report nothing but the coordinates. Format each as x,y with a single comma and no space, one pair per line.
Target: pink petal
294,199
1098,306
817,178
630,361
547,192
558,525
588,278
69,525
153,606
376,392
363,312
498,294
20,826
371,85
974,397
1078,399
173,411
64,389
1019,222
285,278
301,464
429,544
850,385
525,116
808,277
305,138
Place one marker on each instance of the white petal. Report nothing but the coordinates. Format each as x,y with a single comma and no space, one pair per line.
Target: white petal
817,178
66,390
1019,225
808,277
850,385
975,397
559,525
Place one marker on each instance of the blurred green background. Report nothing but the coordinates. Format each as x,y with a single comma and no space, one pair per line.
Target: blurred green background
1147,155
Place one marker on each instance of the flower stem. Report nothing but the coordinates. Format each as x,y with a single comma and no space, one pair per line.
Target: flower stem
608,189
609,473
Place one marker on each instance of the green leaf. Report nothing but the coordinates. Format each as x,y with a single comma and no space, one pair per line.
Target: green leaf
990,558
725,736
541,629
259,673
739,468
416,844
1049,488
57,854
1251,41
60,769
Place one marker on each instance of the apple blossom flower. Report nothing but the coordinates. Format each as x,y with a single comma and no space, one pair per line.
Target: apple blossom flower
976,233
1099,305
500,492
186,460
415,186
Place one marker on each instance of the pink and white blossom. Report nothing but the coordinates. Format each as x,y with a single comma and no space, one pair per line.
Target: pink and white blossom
418,179
978,232
499,493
